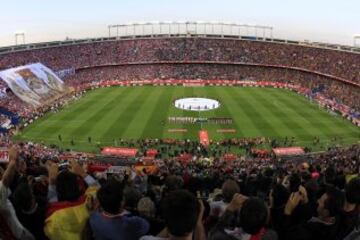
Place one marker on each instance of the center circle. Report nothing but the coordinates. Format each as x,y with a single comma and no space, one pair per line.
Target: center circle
196,104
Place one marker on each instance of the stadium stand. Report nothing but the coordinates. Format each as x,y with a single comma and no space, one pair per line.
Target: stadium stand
147,58
46,193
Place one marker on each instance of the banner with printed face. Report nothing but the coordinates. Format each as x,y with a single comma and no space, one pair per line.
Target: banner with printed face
35,83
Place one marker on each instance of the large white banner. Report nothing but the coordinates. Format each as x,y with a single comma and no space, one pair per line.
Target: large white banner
35,83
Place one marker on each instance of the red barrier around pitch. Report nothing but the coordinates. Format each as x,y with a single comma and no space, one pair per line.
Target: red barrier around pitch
121,152
288,151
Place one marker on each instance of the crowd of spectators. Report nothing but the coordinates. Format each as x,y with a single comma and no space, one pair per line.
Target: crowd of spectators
242,199
14,104
3,119
332,62
28,113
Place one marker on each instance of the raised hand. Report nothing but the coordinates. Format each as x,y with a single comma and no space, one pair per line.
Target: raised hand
237,202
303,194
53,171
292,203
76,168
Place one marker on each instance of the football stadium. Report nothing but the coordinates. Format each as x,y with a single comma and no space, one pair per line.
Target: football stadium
180,130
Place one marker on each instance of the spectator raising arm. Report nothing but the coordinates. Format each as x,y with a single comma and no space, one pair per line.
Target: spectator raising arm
8,218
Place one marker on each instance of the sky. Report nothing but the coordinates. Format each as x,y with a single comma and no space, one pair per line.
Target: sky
327,21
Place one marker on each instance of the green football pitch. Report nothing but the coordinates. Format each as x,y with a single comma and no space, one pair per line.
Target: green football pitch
108,114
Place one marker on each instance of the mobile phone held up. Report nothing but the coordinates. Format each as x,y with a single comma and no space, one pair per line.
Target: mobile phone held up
4,155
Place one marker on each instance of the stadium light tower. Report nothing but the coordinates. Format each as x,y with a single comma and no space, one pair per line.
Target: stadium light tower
21,35
357,40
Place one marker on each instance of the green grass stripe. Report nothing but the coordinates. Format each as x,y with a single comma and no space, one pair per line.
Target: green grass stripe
237,110
128,115
172,111
305,114
250,108
279,117
314,119
139,122
66,114
97,113
333,122
225,111
159,113
100,128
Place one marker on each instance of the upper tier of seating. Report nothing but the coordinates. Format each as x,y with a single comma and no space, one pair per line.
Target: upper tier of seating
340,64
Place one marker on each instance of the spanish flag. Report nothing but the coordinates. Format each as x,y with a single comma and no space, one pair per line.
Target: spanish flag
68,220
